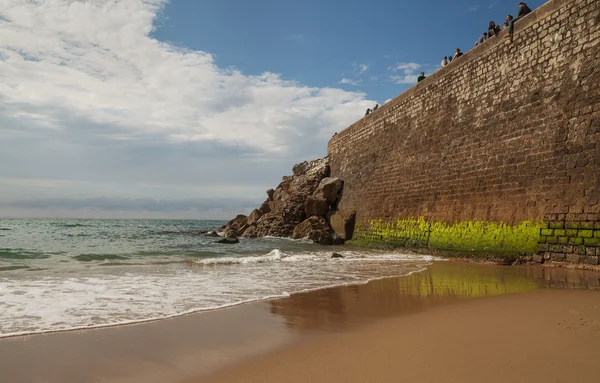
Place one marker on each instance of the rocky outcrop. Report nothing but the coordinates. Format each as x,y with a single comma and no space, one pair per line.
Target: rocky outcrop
296,208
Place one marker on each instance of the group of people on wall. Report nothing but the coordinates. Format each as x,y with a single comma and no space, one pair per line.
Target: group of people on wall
493,30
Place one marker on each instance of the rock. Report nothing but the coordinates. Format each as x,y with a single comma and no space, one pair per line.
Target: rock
228,240
342,222
254,216
236,224
336,239
336,255
300,169
231,233
315,229
285,207
316,207
311,224
211,234
538,258
329,189
265,207
250,232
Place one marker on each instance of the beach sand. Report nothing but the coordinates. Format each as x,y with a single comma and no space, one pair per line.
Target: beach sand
453,322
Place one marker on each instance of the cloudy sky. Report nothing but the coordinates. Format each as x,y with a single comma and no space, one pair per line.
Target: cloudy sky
150,108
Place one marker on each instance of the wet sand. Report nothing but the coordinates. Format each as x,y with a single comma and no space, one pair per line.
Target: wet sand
454,322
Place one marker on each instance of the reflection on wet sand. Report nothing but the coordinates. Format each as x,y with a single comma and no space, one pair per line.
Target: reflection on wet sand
442,283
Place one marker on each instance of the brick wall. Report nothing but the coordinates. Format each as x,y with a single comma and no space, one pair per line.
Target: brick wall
508,133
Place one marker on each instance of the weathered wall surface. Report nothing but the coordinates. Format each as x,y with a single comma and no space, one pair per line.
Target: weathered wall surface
499,150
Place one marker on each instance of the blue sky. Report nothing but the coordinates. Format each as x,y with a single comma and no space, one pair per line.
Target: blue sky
319,43
192,109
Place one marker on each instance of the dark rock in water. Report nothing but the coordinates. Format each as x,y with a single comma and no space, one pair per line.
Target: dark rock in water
228,240
329,189
231,233
336,255
336,239
316,206
342,222
211,234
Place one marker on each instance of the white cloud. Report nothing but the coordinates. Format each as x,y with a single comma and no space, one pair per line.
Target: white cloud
473,8
361,68
86,92
406,72
407,68
96,59
350,81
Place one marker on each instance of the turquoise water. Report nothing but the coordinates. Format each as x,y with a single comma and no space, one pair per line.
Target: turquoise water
65,274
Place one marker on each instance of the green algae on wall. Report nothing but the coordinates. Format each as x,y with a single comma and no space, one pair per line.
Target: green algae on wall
465,236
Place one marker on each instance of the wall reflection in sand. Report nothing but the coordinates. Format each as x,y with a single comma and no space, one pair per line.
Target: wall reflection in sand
442,283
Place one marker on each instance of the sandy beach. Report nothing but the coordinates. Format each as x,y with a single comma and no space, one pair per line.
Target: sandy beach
453,322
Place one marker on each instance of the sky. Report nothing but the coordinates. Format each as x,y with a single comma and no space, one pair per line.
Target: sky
193,108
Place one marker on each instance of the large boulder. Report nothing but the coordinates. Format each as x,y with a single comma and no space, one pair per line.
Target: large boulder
250,232
265,207
316,206
329,189
236,224
315,229
300,169
270,194
254,216
342,222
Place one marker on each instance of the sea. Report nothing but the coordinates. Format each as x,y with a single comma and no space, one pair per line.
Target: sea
66,274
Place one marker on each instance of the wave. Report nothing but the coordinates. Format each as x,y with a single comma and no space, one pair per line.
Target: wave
283,294
21,254
99,257
12,268
277,255
59,224
5,229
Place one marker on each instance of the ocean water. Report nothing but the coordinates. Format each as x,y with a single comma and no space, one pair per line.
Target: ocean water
69,274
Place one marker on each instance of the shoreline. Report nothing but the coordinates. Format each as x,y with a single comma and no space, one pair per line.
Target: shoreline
219,308
194,346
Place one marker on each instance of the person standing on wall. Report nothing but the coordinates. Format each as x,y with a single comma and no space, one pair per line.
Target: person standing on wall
421,77
523,11
457,53
445,61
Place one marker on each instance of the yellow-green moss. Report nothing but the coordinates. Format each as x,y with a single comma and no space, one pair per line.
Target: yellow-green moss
466,236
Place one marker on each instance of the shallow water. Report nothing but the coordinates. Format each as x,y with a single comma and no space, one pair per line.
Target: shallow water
69,274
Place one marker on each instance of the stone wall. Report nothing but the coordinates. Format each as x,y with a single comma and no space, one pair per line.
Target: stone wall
500,146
